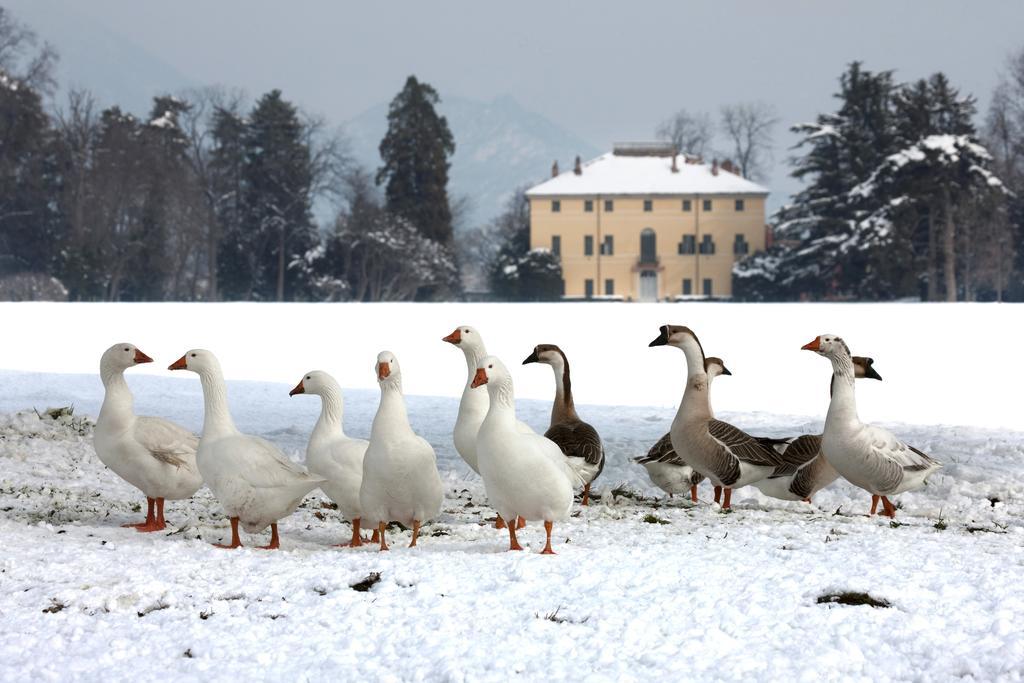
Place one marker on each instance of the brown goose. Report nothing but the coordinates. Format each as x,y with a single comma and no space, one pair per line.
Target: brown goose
727,456
667,470
578,440
806,471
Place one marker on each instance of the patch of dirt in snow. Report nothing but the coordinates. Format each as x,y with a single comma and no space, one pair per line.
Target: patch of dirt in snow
639,584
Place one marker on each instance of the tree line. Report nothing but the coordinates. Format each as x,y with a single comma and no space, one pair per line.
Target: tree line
206,198
904,197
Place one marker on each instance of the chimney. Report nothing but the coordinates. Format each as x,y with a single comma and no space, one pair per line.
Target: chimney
727,166
578,168
554,169
675,164
714,167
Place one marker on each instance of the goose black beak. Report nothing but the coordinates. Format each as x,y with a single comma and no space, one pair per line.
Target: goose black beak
870,373
532,358
725,371
662,339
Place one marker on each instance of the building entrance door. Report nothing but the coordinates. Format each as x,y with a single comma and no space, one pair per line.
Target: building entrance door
648,285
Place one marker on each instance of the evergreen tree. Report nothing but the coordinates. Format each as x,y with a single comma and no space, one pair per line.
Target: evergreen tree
232,247
277,184
518,273
416,152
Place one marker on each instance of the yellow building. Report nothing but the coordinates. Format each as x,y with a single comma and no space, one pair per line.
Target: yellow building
644,224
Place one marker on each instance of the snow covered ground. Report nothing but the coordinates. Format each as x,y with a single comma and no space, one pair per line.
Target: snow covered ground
642,588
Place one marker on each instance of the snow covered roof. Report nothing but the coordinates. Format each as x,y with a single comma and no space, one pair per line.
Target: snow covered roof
636,174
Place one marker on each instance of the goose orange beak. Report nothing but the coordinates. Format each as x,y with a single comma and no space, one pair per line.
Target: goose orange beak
453,338
140,357
383,370
299,389
812,345
480,378
179,364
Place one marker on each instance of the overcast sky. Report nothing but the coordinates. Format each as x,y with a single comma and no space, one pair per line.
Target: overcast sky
607,70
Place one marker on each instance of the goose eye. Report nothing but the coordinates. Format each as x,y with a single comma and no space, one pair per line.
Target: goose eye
126,349
307,376
193,355
466,332
490,367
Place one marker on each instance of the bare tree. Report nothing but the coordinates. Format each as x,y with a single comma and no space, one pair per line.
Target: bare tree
22,55
690,133
748,128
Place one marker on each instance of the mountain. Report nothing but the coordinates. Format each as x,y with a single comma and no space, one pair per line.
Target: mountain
499,146
115,69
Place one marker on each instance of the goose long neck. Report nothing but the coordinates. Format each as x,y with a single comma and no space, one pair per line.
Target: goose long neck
502,403
564,408
473,354
216,415
118,402
332,411
696,403
843,406
392,418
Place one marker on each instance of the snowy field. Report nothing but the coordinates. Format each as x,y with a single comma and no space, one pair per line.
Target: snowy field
641,589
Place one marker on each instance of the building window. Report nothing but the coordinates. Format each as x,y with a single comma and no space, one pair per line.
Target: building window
608,247
707,205
588,245
687,205
588,288
707,245
687,286
707,286
556,245
588,205
609,287
688,245
740,246
556,205
648,205
609,205
648,246
740,206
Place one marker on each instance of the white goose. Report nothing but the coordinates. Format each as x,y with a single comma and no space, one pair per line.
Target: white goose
152,454
255,482
667,470
331,454
400,478
806,470
525,475
474,404
867,456
726,455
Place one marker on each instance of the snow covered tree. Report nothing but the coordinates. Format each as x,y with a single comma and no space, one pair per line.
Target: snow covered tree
277,183
416,152
518,273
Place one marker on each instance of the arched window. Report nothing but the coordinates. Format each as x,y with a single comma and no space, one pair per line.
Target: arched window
648,246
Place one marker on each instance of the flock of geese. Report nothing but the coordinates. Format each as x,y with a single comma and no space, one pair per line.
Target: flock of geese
393,476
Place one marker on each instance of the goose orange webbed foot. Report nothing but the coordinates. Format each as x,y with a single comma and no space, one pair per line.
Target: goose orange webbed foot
236,541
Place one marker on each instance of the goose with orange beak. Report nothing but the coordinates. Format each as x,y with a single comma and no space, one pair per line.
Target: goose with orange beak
255,483
667,469
525,475
870,457
806,470
727,456
331,453
152,454
400,478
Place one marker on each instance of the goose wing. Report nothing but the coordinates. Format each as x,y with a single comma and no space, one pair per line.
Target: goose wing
662,451
796,452
742,446
577,439
884,444
166,441
263,465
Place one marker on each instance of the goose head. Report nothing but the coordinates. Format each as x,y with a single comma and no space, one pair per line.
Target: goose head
714,367
863,368
678,336
198,361
828,345
549,354
492,372
122,356
466,338
388,371
314,382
